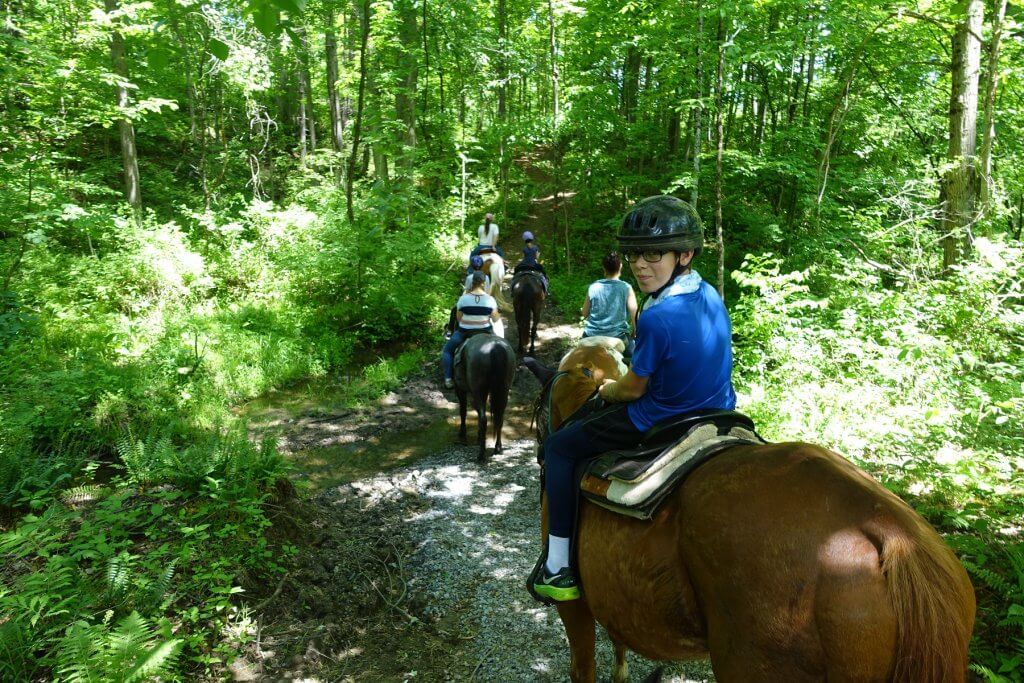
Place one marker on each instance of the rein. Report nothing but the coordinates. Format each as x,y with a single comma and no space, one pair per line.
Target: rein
544,402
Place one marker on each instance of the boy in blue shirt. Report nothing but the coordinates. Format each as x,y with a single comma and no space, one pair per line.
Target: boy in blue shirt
682,363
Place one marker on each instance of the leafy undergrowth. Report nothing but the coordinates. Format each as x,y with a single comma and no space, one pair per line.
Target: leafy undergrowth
134,511
121,580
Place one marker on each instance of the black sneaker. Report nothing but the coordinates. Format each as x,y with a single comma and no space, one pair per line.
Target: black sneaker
561,586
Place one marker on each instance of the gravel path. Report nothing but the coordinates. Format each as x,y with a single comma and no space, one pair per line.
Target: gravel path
475,532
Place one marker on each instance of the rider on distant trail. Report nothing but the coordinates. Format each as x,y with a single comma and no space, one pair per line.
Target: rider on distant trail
487,237
477,312
475,264
531,259
682,363
610,306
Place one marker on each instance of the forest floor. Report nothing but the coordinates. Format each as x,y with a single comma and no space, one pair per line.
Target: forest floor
411,556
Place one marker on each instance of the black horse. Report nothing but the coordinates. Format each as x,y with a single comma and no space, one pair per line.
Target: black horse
528,297
487,367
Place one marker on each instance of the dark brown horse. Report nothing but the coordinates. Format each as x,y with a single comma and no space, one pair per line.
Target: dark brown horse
528,297
782,562
486,371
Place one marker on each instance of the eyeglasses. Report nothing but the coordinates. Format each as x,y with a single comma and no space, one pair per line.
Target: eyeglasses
649,256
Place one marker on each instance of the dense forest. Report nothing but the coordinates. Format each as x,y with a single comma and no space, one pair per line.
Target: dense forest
201,202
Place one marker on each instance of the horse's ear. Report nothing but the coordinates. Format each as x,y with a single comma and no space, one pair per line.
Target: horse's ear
542,372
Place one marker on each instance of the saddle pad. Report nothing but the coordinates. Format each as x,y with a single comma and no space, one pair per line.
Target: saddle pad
525,274
621,482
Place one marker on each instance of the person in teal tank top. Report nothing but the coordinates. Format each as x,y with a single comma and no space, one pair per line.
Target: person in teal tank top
610,306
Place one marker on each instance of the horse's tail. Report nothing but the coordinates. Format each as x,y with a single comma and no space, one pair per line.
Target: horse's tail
934,605
503,363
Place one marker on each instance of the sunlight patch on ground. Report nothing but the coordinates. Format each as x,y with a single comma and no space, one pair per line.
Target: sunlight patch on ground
456,487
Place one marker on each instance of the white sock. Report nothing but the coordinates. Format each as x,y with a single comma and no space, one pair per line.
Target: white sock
558,553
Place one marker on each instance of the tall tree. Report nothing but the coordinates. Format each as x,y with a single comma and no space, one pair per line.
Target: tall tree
364,25
129,155
720,139
698,112
960,184
333,101
991,83
408,72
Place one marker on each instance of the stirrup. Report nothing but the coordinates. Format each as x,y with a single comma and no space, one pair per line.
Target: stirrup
534,577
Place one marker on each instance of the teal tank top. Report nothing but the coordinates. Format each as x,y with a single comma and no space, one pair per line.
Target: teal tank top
608,314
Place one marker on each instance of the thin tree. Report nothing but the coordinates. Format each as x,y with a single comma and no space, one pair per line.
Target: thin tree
991,83
555,120
364,23
333,101
960,183
698,113
129,155
719,71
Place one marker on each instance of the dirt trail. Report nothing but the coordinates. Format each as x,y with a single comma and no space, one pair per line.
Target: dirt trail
411,557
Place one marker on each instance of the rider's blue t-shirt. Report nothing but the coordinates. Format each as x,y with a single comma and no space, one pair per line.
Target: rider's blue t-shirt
684,347
530,256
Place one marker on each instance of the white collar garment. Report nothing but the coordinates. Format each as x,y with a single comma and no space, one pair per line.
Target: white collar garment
683,284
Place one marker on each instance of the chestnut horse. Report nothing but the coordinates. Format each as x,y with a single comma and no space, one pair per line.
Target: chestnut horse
528,297
782,562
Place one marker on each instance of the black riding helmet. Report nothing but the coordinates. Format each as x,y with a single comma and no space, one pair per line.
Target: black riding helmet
662,223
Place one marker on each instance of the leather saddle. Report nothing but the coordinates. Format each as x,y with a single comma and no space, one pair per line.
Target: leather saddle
635,482
460,354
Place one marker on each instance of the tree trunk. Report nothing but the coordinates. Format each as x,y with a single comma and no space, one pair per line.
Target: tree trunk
718,155
129,155
333,101
960,186
426,63
674,125
698,114
811,58
988,127
630,83
554,65
502,59
364,39
408,71
310,111
503,159
303,90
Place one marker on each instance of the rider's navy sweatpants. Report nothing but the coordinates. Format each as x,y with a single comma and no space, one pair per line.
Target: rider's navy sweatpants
603,430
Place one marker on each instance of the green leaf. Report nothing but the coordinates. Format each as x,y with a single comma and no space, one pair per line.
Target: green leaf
219,49
266,18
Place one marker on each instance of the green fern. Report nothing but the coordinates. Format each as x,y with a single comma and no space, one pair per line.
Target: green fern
80,495
16,652
146,460
135,650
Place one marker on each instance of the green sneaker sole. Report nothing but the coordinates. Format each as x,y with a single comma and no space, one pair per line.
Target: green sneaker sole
557,594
